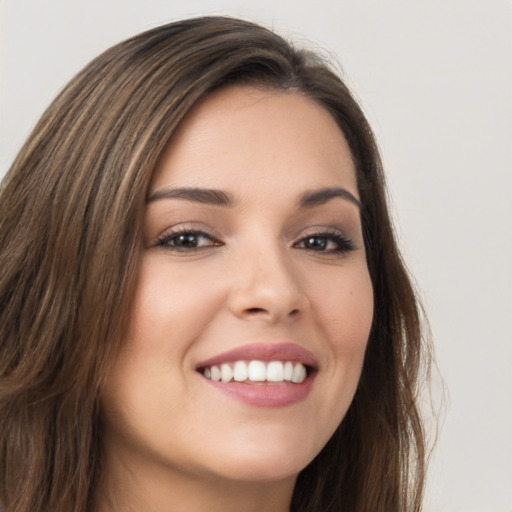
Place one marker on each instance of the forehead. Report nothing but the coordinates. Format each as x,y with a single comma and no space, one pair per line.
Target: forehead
239,137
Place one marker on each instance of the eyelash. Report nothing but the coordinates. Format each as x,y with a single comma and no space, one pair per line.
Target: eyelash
343,244
167,240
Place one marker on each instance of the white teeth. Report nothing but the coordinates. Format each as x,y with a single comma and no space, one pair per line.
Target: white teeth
240,371
299,374
275,371
226,373
215,373
288,370
257,371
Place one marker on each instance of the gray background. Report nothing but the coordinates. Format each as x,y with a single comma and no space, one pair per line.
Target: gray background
435,78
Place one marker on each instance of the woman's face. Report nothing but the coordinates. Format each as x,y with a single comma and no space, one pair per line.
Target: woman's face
253,272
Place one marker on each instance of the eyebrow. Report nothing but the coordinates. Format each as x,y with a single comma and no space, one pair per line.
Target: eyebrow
319,197
199,195
309,199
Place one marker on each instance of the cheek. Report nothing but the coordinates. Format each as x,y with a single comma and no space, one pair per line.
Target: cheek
342,304
172,305
344,307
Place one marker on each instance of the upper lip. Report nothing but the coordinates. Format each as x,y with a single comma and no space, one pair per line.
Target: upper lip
264,352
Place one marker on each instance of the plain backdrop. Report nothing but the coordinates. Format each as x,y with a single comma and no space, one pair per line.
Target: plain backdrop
435,79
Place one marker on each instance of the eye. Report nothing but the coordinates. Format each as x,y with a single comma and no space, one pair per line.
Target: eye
187,240
327,243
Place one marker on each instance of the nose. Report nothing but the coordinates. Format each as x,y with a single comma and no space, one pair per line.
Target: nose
267,287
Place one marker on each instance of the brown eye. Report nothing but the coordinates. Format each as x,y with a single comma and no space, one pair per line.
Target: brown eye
316,243
326,242
187,241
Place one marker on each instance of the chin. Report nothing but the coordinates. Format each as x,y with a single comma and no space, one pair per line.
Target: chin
267,458
263,470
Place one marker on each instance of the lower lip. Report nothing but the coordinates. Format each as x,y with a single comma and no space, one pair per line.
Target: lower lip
265,395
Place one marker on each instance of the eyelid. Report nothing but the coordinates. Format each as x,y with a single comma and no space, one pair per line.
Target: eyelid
163,240
324,231
344,243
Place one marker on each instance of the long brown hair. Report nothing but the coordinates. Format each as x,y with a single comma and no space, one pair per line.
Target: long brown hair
71,210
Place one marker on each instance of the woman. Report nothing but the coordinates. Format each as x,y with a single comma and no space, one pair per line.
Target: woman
202,301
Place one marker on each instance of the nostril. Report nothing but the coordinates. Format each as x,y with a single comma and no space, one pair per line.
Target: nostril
255,310
294,312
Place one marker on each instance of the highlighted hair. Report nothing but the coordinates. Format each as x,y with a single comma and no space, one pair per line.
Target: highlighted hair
71,210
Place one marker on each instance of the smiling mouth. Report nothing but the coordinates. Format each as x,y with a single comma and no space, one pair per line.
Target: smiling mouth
257,372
